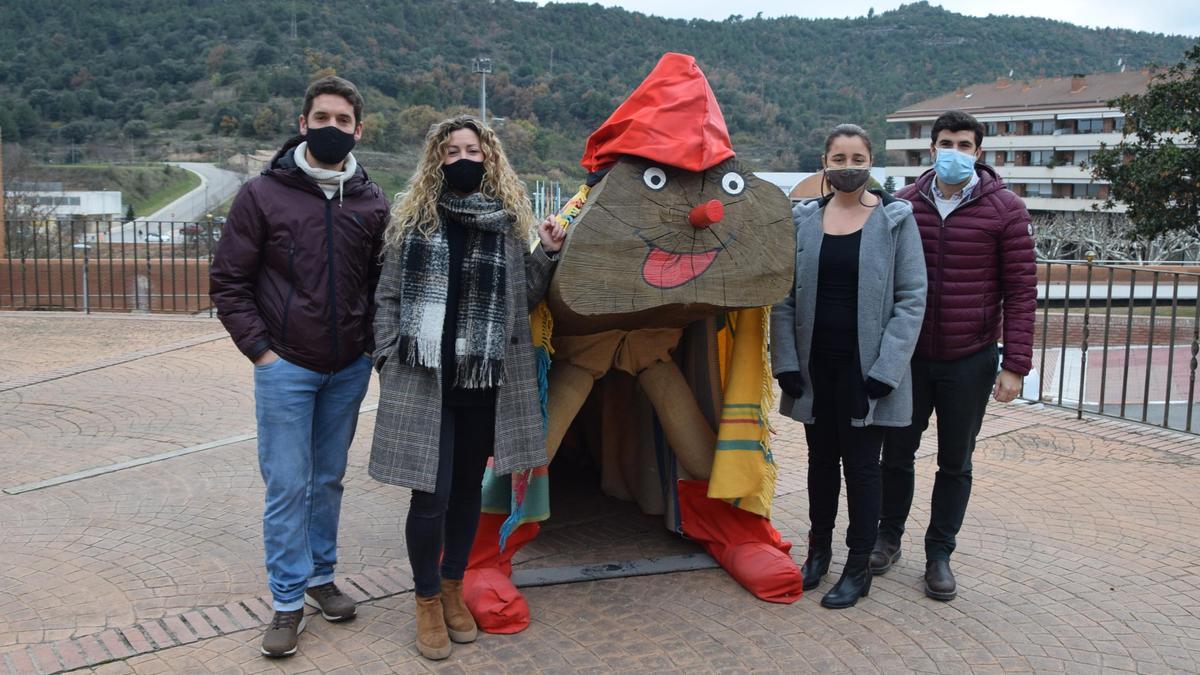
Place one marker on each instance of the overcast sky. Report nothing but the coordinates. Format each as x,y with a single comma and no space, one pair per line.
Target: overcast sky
1174,17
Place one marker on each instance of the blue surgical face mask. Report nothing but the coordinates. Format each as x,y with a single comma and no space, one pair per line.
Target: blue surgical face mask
953,167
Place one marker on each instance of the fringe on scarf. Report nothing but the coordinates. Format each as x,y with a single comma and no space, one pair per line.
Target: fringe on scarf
540,321
744,470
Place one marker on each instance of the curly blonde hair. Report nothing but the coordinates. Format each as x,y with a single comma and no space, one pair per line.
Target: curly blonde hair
416,207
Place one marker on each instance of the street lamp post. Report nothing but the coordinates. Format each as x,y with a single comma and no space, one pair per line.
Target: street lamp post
483,66
87,307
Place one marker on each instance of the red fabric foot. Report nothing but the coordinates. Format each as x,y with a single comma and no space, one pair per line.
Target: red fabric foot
745,544
496,604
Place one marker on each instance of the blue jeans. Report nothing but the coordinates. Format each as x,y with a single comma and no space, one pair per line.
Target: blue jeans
306,421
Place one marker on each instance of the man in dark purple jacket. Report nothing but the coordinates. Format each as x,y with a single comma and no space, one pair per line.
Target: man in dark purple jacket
979,255
293,281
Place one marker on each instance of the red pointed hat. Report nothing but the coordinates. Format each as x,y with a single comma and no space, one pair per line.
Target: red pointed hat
671,118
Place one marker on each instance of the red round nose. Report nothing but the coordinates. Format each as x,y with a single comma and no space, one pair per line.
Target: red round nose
707,213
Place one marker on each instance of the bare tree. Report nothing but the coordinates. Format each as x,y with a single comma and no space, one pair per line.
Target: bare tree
1166,246
29,219
1053,237
20,200
1110,236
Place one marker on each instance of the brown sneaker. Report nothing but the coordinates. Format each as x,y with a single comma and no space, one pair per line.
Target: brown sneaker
459,622
283,634
432,639
333,603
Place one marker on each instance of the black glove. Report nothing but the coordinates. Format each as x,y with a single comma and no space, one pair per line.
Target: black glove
876,389
792,383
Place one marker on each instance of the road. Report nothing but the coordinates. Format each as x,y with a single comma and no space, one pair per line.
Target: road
216,186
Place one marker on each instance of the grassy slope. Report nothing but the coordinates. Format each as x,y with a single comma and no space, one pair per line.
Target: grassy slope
166,194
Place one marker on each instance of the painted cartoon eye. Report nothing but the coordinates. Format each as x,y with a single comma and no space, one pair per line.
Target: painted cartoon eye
733,183
654,178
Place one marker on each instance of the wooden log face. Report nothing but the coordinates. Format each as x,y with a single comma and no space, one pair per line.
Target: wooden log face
684,244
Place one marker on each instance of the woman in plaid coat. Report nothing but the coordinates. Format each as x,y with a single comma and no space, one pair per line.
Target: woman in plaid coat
458,380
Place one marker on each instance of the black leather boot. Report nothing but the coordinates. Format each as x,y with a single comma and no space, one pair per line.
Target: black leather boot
939,581
820,552
885,555
854,584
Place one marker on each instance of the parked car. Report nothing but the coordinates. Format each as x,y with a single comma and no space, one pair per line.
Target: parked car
197,230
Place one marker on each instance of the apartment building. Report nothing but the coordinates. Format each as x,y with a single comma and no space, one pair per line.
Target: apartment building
1038,134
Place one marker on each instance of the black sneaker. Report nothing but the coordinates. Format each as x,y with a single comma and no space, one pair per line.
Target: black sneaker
333,603
281,638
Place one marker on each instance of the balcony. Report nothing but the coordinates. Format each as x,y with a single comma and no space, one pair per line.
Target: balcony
1012,172
1069,204
1011,142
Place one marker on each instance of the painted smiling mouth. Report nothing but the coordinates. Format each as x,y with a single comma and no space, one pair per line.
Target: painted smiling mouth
663,269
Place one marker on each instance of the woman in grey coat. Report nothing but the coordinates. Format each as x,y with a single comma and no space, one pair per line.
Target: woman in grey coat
840,348
458,381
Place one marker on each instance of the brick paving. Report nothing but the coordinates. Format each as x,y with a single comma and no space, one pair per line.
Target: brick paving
34,343
1077,554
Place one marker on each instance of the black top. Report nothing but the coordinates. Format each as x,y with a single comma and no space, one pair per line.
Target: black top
456,239
835,324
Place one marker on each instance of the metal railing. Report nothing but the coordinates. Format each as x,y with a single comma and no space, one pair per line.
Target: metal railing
546,198
1110,339
107,265
1118,340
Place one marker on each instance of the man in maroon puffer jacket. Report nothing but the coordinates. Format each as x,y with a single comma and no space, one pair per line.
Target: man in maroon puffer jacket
982,286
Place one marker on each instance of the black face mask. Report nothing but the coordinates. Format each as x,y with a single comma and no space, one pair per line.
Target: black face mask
464,175
329,145
847,180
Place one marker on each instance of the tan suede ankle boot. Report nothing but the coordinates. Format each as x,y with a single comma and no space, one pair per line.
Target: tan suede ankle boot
459,622
432,639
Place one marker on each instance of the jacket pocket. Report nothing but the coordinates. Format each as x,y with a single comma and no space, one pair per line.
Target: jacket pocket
287,304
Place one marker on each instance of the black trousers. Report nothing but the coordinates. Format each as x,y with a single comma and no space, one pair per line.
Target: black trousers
958,390
837,396
441,525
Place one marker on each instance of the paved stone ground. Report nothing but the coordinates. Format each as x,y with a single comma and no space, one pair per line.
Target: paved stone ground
37,342
1078,553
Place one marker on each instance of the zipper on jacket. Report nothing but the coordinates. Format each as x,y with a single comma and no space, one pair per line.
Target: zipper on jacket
332,284
941,264
287,306
937,305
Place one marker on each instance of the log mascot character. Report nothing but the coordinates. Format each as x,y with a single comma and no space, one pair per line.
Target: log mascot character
658,313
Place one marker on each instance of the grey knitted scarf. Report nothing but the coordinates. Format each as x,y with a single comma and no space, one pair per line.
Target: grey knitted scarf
480,341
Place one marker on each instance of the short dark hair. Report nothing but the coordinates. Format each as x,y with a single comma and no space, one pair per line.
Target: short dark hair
337,86
849,130
957,120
